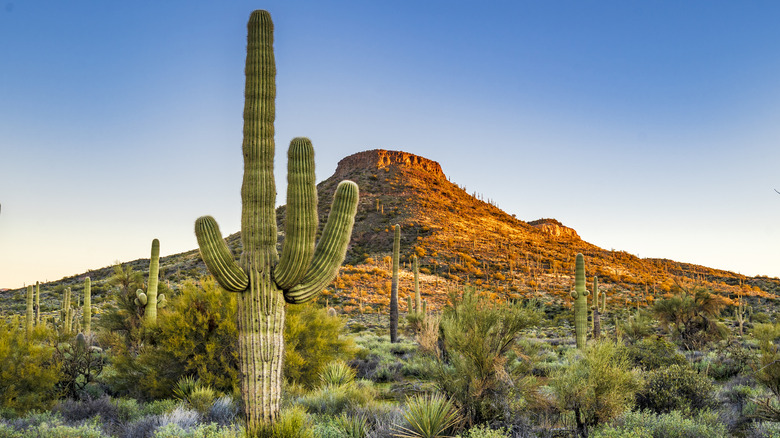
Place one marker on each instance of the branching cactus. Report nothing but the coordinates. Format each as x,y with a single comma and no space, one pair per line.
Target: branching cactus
580,295
28,323
66,314
87,312
394,285
263,280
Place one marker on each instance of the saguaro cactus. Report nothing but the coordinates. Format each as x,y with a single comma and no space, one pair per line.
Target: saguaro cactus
262,279
417,298
87,313
394,285
580,294
596,310
28,323
37,303
150,312
66,315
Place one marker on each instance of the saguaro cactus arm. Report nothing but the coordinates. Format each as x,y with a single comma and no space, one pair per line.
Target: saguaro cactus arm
301,222
217,256
332,246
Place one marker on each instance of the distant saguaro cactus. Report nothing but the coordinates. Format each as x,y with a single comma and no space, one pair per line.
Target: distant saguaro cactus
28,322
596,310
149,300
37,303
394,285
263,280
66,314
580,294
87,312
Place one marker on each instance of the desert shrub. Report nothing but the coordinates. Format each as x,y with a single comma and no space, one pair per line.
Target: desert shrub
483,431
477,335
28,370
293,422
597,385
654,352
173,430
351,426
195,338
80,364
675,388
312,340
692,317
428,416
638,326
333,400
223,411
337,373
646,424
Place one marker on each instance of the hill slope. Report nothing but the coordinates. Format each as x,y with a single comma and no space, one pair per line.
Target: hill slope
459,239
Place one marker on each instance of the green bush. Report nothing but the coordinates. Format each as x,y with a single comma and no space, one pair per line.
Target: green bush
333,400
28,371
646,424
483,431
478,334
428,416
675,388
654,352
195,337
312,340
598,385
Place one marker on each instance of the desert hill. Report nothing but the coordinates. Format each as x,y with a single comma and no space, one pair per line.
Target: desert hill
458,238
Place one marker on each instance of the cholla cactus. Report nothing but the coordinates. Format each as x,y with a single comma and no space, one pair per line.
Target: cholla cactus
580,295
263,280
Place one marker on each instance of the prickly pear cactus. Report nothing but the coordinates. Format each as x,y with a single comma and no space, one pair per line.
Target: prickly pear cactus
580,295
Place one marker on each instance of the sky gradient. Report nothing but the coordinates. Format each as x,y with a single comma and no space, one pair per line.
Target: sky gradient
648,127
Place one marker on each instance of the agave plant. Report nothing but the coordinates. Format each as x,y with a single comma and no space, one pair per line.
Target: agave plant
428,416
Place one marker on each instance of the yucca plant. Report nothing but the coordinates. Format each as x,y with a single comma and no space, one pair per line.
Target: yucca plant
337,373
428,416
352,426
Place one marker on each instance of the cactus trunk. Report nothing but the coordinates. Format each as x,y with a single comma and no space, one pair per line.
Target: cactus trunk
28,323
37,303
150,311
416,268
66,314
87,305
580,295
394,285
263,280
596,310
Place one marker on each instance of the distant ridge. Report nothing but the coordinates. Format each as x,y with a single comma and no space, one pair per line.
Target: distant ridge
458,239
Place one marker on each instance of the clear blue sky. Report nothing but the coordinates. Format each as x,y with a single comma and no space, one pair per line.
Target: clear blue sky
649,127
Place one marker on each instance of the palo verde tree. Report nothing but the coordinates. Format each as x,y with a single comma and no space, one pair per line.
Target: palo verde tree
263,280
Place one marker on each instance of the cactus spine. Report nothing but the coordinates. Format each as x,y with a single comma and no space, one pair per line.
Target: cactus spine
87,313
28,323
580,295
263,280
596,311
394,285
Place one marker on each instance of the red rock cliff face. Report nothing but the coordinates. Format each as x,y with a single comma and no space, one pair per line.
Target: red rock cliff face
379,158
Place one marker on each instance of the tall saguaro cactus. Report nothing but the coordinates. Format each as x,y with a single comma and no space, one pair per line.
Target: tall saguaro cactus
580,294
28,323
596,310
87,313
66,314
263,280
416,270
394,285
37,303
150,312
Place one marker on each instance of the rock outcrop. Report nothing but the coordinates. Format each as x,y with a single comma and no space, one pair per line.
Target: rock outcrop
555,228
380,158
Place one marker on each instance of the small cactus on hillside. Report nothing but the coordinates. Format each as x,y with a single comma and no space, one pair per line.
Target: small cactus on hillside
87,312
37,303
394,285
150,301
66,313
596,310
580,295
28,323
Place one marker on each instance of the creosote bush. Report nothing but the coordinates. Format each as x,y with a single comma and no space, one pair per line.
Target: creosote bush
676,387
